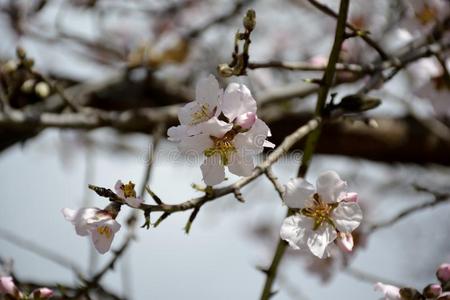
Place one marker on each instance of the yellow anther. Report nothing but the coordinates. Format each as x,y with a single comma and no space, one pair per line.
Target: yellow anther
128,190
104,230
320,212
427,14
201,115
223,146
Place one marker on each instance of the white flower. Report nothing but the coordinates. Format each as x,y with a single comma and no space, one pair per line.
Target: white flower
208,97
390,292
229,135
94,222
127,193
224,146
323,213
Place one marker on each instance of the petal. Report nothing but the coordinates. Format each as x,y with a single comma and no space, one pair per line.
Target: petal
298,193
345,241
390,292
195,145
294,231
254,140
102,242
208,91
80,218
319,240
330,186
185,114
215,127
213,170
118,189
177,133
349,197
134,201
241,165
69,214
7,285
42,293
246,120
347,216
237,100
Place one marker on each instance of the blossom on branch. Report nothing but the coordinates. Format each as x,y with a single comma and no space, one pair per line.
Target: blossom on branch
127,193
390,292
323,214
230,137
98,224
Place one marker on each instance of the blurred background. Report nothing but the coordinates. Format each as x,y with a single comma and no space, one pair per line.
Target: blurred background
97,83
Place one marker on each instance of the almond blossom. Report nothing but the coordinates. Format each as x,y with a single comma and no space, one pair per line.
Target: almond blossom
322,214
228,138
127,193
208,96
98,224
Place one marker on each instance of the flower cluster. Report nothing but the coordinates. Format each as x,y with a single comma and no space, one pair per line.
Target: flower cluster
435,291
223,127
324,214
100,224
8,287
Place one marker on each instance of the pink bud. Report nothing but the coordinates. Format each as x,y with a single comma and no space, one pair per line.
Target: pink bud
432,291
7,286
245,121
443,273
345,241
351,197
42,293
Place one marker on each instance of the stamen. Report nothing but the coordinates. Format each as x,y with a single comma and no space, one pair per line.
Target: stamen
201,115
320,212
104,230
223,146
128,190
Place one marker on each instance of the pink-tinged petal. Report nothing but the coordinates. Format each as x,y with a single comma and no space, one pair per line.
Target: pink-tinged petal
298,193
185,113
237,100
134,201
319,239
195,145
177,133
330,186
7,286
213,170
118,189
443,273
254,140
42,293
294,231
345,241
80,218
215,127
390,292
102,234
245,121
349,197
240,164
347,216
208,91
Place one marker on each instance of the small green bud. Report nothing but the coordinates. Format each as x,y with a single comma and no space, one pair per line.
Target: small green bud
250,20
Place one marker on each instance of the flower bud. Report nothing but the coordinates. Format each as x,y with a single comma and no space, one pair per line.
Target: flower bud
8,287
42,293
351,198
224,70
250,20
28,85
42,89
345,241
245,121
410,294
432,291
443,273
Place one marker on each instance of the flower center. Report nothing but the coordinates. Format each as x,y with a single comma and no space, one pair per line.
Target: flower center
128,190
200,115
104,230
427,14
320,212
223,146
